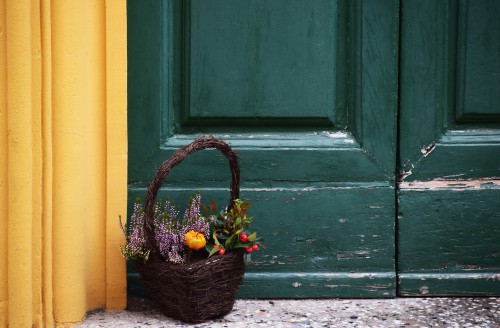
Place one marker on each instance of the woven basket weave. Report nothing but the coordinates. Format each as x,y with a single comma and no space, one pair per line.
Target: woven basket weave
204,288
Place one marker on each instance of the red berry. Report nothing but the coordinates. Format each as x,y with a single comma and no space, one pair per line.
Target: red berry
243,238
221,251
249,249
216,246
255,247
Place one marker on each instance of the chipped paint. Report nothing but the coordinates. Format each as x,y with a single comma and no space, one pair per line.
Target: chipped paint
452,276
337,134
427,150
439,184
424,290
403,174
357,275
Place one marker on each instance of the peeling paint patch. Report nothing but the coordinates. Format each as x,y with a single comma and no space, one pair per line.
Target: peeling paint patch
495,277
296,284
453,176
424,290
338,134
439,184
403,174
353,255
427,150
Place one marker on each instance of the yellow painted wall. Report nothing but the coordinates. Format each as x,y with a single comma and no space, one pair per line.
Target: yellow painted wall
63,157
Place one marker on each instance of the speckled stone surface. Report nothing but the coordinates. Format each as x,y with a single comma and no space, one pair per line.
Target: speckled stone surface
400,312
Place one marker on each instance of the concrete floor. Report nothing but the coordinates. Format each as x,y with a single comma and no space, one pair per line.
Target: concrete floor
400,312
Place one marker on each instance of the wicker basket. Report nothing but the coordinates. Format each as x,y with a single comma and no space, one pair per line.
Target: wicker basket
202,289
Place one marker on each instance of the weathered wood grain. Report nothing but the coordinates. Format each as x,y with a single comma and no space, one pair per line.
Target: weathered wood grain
330,233
449,156
449,241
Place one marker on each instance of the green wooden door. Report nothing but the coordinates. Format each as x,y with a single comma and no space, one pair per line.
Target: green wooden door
449,154
306,93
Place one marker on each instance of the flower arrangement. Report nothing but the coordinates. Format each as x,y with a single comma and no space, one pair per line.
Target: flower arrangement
204,233
191,264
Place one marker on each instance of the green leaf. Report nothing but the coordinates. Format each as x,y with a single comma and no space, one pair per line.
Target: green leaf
252,237
238,222
242,245
215,238
213,251
229,240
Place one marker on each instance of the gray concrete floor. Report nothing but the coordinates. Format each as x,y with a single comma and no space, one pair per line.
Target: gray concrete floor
400,312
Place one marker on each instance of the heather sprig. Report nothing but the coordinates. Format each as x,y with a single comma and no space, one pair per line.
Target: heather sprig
194,220
169,230
135,246
169,234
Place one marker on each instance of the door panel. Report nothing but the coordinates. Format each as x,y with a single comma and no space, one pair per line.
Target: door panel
255,60
449,156
305,92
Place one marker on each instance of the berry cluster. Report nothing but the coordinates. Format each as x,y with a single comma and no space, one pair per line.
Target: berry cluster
244,239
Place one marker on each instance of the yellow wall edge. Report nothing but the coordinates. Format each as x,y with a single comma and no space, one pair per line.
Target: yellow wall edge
4,164
63,173
116,121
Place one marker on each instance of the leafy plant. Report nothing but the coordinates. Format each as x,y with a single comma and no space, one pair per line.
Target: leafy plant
176,238
230,231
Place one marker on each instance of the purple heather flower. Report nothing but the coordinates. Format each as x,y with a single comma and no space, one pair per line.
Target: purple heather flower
169,231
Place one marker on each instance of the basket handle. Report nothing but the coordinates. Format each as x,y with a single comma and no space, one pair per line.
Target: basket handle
199,144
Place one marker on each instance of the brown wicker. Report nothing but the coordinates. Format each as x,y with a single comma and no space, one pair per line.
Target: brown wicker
202,289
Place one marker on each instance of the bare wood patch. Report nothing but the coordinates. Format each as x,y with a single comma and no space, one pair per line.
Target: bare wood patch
439,184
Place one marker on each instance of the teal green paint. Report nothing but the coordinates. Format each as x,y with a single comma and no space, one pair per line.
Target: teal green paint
373,77
319,285
324,229
478,64
296,162
424,90
462,161
311,109
449,230
351,244
443,232
452,284
144,78
292,285
447,89
261,59
449,109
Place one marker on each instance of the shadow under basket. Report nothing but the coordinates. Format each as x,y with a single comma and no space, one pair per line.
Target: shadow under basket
194,292
203,288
